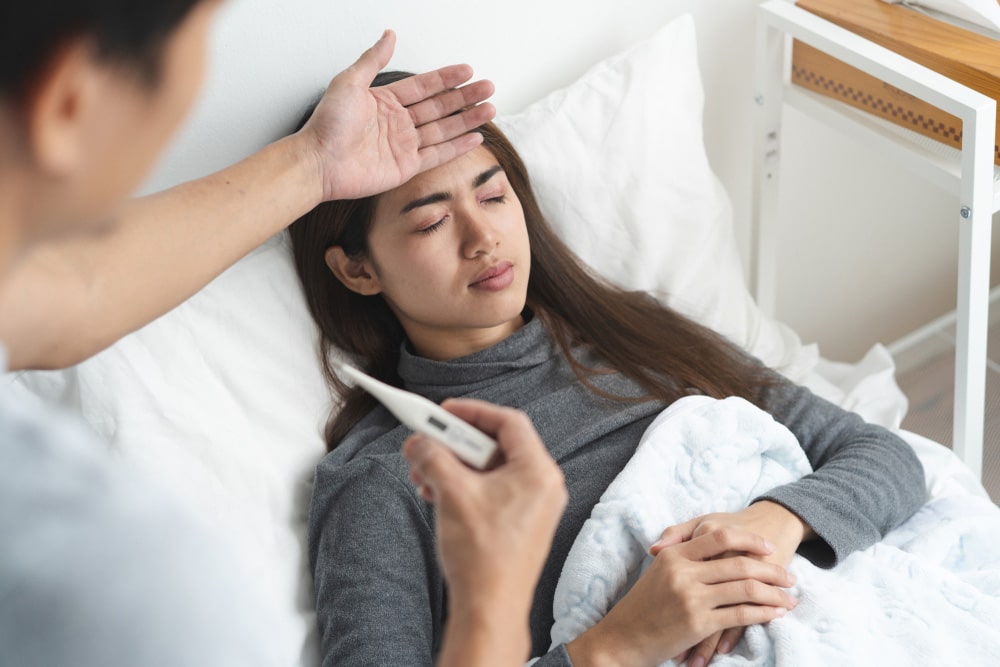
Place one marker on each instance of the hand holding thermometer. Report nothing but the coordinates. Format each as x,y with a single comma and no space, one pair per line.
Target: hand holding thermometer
424,416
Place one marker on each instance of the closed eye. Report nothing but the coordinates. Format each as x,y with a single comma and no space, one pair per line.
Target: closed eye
432,228
496,200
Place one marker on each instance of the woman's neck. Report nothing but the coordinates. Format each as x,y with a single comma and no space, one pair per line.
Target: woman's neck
444,345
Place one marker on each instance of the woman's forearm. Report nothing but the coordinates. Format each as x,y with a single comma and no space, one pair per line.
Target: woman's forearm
866,479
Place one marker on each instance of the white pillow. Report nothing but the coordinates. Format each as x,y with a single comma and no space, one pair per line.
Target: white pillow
223,400
619,166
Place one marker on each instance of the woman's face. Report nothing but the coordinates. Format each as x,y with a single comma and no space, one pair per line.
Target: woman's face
449,252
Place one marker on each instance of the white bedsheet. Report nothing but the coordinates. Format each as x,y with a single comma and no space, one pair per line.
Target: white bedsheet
929,593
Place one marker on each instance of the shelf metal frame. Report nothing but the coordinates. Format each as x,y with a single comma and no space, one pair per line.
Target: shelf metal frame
970,176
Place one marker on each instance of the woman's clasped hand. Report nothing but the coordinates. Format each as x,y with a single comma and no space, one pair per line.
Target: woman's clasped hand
691,591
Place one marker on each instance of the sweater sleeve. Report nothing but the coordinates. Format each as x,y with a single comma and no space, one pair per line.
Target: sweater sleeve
866,479
557,657
379,590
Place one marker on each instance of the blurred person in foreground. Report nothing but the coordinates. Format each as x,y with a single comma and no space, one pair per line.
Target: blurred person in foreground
97,567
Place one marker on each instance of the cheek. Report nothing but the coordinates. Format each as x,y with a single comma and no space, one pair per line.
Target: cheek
149,119
184,76
512,215
115,167
424,275
518,229
409,266
181,75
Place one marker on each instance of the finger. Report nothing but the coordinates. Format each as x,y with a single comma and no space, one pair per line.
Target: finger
749,591
371,62
446,139
720,541
426,492
736,568
745,615
445,129
703,652
450,101
423,489
729,639
436,466
681,657
435,156
682,532
420,87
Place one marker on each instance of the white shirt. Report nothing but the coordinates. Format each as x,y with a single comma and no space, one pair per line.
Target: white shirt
96,569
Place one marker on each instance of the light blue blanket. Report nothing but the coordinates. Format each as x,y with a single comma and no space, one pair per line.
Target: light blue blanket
928,594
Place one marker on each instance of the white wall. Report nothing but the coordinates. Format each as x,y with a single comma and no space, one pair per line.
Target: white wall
868,252
878,243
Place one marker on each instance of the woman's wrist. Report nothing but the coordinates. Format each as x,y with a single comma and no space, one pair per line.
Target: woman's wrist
585,653
792,522
597,648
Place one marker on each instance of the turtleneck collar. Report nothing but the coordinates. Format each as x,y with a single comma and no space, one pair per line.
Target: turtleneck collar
526,348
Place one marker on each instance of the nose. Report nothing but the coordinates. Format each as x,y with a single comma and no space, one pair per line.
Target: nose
479,236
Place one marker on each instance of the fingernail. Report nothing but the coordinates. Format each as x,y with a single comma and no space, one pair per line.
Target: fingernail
698,661
780,611
795,602
769,546
724,647
792,579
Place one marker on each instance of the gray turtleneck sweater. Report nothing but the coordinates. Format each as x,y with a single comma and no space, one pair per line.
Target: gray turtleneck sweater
380,594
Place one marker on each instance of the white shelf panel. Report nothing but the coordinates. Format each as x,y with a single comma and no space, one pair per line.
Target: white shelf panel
970,174
937,162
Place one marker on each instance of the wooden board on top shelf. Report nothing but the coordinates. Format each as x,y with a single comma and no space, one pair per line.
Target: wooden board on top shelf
966,57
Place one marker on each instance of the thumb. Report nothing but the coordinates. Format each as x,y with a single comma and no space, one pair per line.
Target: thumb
434,463
374,59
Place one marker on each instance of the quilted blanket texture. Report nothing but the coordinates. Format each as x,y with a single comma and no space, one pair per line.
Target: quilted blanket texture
929,593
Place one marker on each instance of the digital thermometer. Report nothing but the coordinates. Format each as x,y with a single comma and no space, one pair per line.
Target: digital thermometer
424,416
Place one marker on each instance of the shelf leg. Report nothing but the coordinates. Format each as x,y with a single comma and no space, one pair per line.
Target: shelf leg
975,221
769,79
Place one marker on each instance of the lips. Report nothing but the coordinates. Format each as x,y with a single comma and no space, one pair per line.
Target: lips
496,277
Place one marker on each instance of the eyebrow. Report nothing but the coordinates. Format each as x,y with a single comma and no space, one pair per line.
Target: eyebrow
436,197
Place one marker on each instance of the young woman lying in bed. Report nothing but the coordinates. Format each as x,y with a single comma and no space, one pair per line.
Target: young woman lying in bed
454,285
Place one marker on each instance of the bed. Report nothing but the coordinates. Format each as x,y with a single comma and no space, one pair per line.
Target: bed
222,401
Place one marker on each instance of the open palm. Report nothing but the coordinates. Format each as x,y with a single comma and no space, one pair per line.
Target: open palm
369,140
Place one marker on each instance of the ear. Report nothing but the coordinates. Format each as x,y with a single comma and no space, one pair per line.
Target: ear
60,106
357,275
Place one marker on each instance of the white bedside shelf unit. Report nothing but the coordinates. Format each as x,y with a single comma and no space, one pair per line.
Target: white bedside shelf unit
969,173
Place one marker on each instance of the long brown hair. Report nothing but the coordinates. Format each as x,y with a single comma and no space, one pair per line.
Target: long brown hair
667,354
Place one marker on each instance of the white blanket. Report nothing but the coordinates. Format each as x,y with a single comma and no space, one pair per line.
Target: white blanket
928,594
